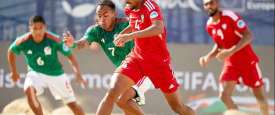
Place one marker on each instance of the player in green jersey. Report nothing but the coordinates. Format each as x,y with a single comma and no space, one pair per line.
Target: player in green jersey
40,48
103,33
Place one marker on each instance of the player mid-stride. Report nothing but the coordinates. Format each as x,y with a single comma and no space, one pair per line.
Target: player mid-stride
103,32
40,49
232,45
149,57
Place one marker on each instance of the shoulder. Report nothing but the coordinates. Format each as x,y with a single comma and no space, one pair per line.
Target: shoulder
209,21
123,24
230,14
150,5
53,36
93,28
23,38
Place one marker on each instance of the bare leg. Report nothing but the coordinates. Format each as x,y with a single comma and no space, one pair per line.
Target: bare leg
33,101
77,110
176,104
121,84
225,95
261,99
126,103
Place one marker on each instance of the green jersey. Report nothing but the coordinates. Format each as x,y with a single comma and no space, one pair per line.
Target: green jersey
41,57
105,39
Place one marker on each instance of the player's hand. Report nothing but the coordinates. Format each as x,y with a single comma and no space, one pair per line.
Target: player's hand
223,54
68,39
15,77
81,81
121,39
204,60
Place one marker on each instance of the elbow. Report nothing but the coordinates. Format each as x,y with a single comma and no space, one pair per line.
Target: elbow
161,30
248,36
10,56
250,39
158,31
9,53
159,27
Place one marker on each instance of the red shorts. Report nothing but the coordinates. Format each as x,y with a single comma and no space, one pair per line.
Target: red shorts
250,75
160,74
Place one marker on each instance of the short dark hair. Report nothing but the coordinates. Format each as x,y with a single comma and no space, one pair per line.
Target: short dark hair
108,3
34,19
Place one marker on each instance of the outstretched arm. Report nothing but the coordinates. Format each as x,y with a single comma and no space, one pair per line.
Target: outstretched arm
156,28
12,66
69,41
126,30
76,69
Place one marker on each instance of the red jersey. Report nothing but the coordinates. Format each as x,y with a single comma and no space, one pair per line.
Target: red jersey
226,33
152,48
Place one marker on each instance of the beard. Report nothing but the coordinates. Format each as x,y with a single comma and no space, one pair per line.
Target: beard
130,6
212,12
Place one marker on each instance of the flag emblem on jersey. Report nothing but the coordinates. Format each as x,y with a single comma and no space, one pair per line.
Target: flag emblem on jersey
241,24
65,47
154,14
47,50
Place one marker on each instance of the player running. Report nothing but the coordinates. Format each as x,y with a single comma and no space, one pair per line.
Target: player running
103,33
232,39
44,69
150,57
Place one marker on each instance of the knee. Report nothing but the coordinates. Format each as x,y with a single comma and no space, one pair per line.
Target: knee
177,107
261,100
30,94
224,96
112,94
121,103
73,105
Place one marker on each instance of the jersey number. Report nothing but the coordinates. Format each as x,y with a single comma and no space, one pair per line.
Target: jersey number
112,49
39,61
220,33
137,25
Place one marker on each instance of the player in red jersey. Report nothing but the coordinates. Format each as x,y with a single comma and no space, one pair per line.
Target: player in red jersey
150,57
232,45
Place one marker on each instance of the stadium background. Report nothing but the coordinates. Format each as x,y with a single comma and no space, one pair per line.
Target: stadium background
187,40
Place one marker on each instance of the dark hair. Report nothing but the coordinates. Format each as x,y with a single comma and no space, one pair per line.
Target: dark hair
35,19
108,3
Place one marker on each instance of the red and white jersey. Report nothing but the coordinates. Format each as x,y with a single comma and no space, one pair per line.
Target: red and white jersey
226,33
150,48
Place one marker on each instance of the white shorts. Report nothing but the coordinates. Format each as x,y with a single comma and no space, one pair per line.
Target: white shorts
143,85
59,86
